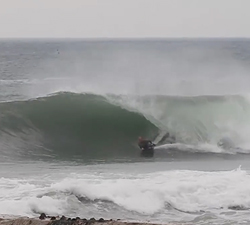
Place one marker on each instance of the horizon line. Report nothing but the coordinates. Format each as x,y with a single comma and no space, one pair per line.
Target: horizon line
119,38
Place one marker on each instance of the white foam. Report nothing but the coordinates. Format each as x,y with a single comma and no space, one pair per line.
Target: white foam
21,197
185,190
146,193
199,122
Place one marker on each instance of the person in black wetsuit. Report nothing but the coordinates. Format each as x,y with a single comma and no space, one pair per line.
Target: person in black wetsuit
144,143
146,146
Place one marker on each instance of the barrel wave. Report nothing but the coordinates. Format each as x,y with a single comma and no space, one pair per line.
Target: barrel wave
71,125
89,126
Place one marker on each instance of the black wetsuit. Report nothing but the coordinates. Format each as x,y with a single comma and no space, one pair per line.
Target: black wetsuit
147,148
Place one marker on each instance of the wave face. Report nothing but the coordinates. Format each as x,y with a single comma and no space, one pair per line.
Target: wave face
67,124
89,126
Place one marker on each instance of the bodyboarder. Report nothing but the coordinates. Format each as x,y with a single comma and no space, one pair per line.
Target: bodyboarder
146,146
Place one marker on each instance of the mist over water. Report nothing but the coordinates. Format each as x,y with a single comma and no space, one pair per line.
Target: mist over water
182,67
71,112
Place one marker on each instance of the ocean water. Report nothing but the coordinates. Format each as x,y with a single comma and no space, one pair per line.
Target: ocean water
71,112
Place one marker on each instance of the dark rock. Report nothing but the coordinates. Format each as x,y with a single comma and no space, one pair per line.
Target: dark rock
69,219
63,218
78,218
101,220
42,216
53,218
84,220
90,221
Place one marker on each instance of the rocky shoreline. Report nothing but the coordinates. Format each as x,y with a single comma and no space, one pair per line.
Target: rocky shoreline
55,220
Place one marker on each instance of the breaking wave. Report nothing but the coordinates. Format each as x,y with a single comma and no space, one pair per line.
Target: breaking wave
95,126
68,124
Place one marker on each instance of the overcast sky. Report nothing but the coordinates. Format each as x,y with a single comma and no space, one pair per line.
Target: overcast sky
124,18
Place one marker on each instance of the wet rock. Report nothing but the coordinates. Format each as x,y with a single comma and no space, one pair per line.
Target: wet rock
101,220
42,216
53,218
63,218
90,221
26,221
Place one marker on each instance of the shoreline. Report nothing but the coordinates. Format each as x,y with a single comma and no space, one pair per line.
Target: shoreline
56,220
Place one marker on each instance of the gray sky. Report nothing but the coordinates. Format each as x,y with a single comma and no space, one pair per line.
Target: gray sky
124,18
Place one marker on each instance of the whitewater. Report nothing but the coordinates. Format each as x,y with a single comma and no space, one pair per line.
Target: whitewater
71,112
